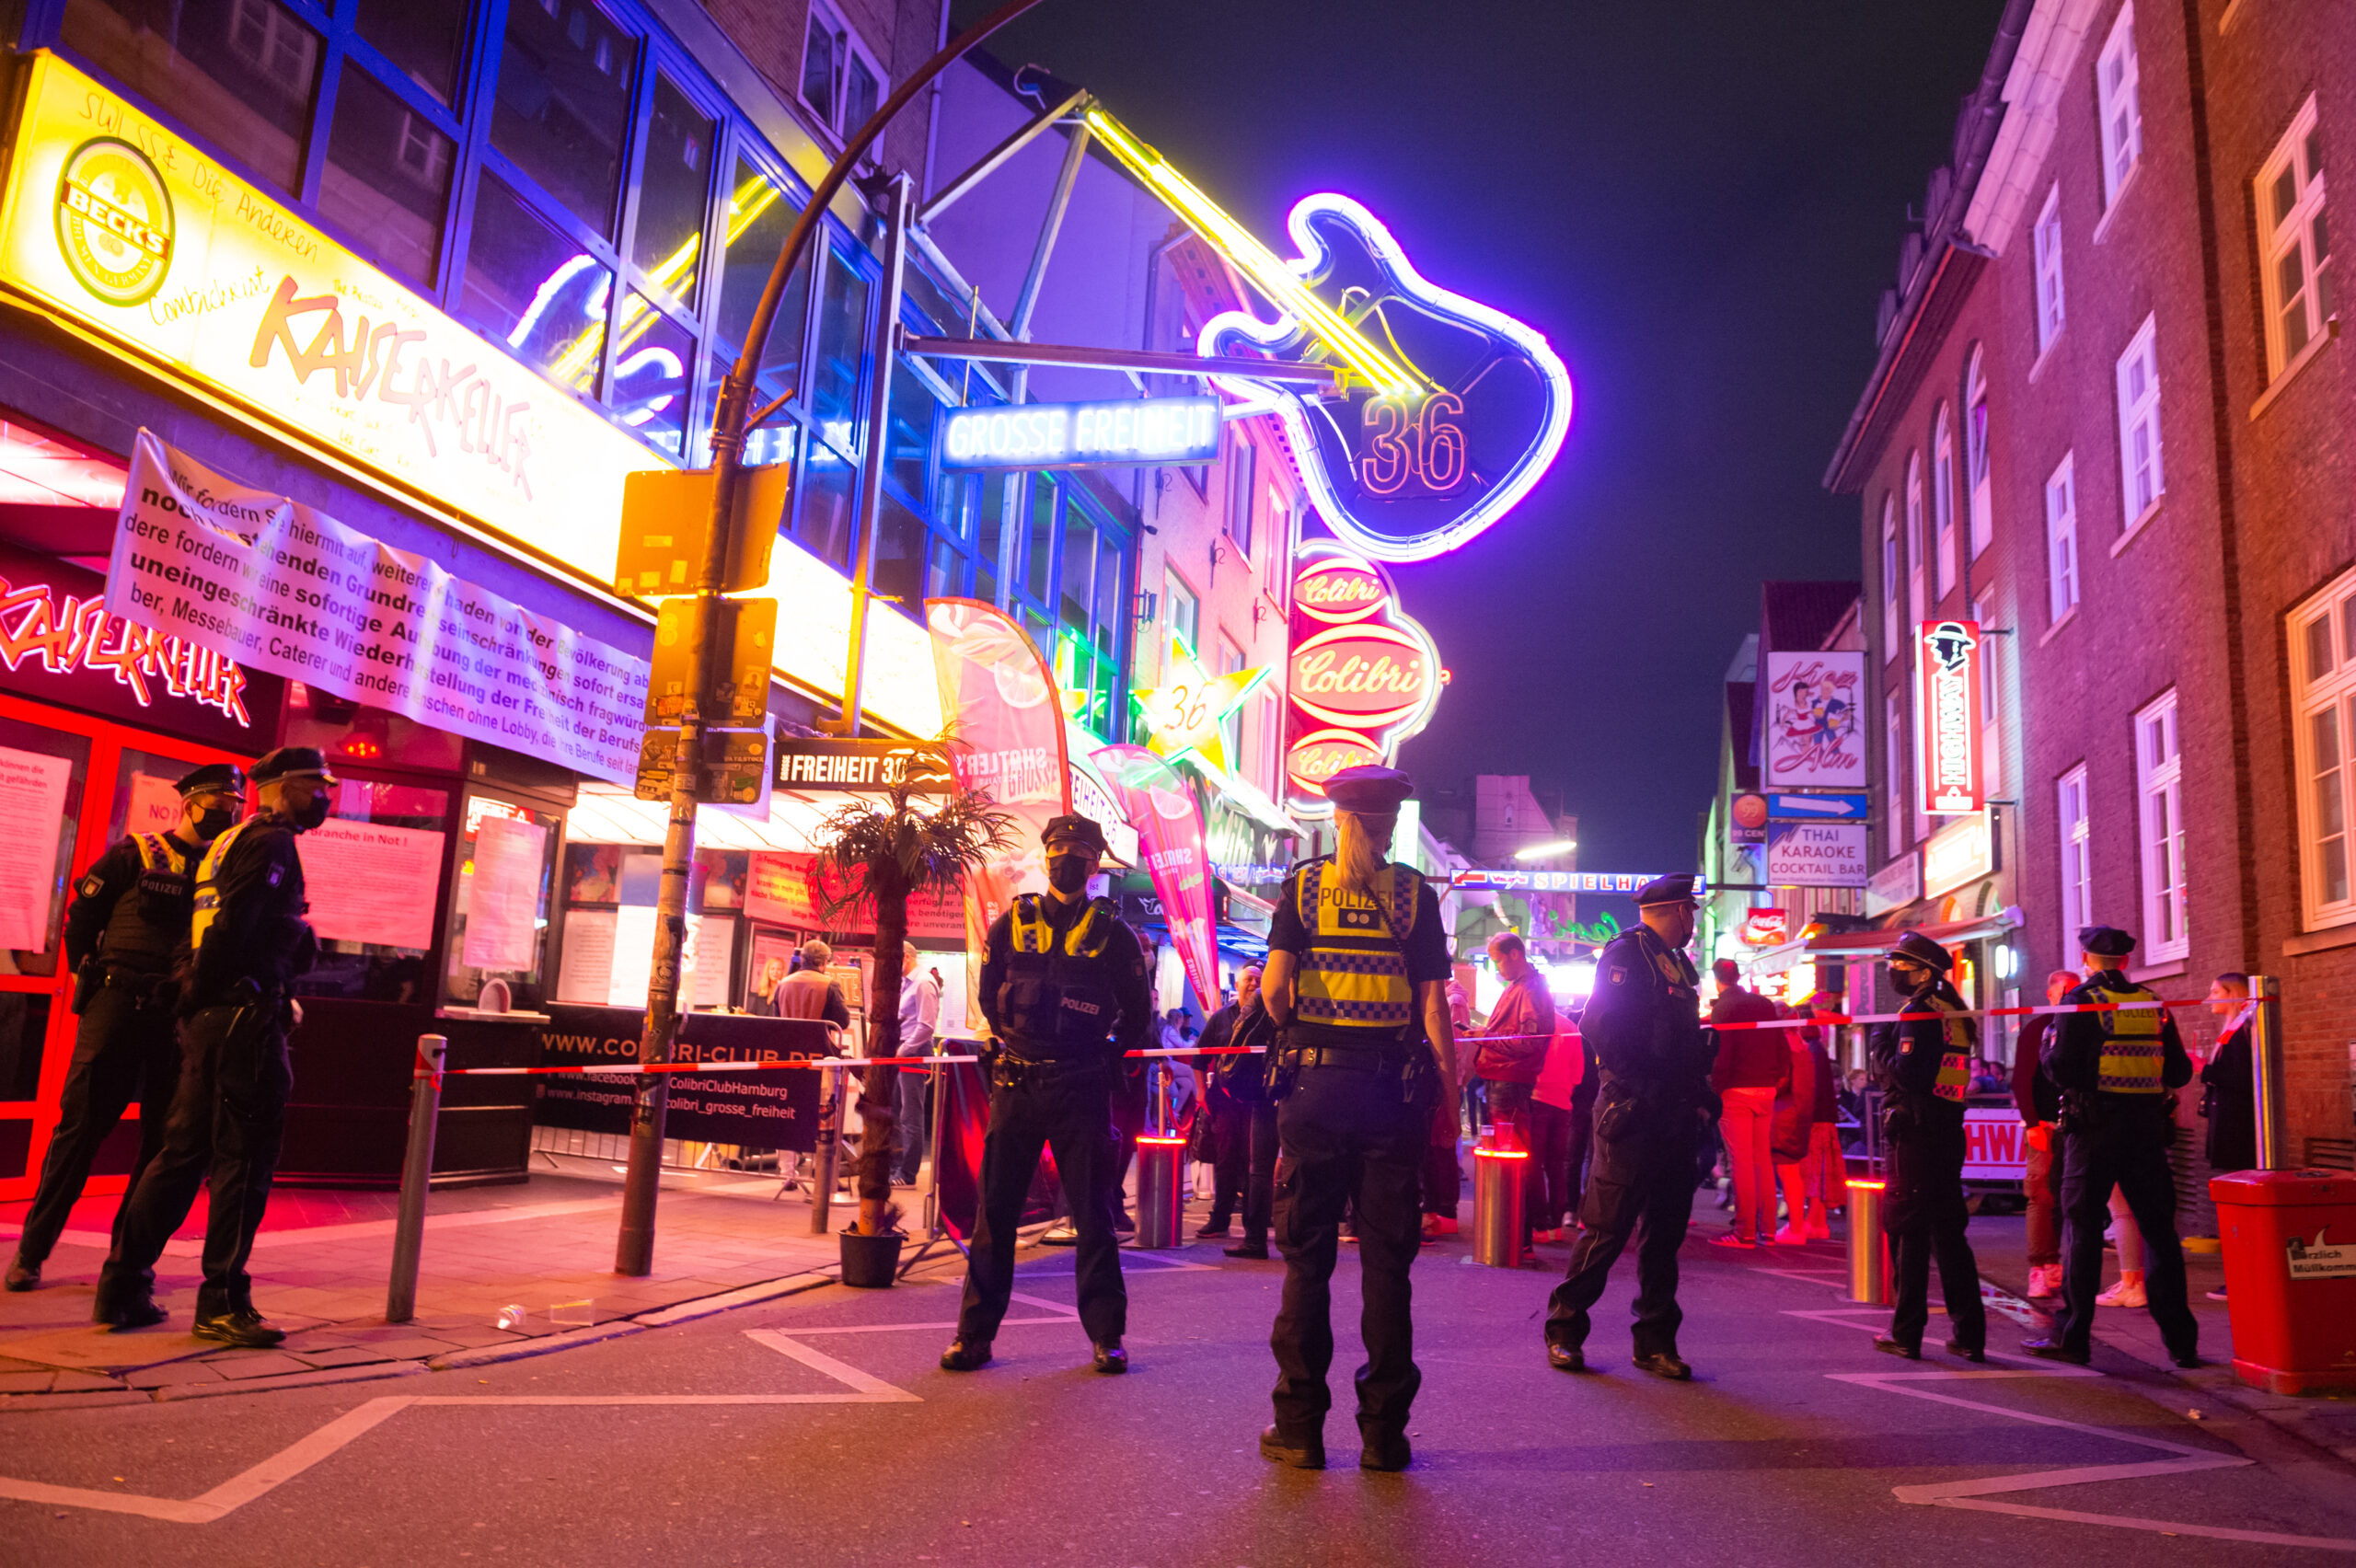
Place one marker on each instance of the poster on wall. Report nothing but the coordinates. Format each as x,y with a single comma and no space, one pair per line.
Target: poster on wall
1813,740
155,805
32,815
759,1110
290,590
362,880
503,894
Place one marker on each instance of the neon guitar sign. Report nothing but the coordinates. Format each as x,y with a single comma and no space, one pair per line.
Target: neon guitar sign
1446,411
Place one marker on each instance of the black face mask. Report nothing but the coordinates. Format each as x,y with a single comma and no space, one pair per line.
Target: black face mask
213,821
1069,874
312,815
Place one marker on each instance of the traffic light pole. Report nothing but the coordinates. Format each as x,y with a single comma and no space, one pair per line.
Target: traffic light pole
634,1249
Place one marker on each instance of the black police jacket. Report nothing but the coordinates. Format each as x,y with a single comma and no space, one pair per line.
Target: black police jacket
129,915
1927,1061
1062,1006
1644,1018
257,932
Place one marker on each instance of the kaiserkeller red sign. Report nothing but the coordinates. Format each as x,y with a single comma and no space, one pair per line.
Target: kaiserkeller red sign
1947,717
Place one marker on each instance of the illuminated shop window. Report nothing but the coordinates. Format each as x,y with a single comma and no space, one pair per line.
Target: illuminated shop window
564,103
667,239
2295,245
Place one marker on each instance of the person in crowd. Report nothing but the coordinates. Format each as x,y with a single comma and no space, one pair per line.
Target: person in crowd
1065,992
2228,1091
1828,1173
1550,1121
1752,1064
2039,1103
1985,1079
919,1024
1853,1107
1356,978
1652,1107
1512,1052
129,917
1247,1128
247,943
2115,1068
762,1003
1924,1067
810,991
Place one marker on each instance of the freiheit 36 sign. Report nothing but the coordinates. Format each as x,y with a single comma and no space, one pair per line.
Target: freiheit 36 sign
1947,717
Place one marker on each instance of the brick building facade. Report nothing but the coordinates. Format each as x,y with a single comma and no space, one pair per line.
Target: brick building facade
2108,422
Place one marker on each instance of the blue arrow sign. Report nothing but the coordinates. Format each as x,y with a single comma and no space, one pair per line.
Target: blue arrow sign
1819,808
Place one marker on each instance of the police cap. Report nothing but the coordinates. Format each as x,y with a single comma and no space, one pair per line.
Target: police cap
292,762
212,778
1370,790
1916,948
1677,889
1067,829
2105,942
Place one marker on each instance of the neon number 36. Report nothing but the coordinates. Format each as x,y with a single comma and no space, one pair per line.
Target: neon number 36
1413,447
1389,461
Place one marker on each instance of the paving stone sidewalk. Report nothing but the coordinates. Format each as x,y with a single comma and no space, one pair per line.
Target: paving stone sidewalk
506,1269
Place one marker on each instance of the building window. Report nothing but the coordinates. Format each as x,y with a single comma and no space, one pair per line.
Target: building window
1240,469
1916,555
1975,455
244,73
388,177
2047,240
2159,792
1890,641
2296,250
1893,766
839,78
1279,530
2077,863
566,72
2062,540
1230,661
1943,497
2323,642
2122,117
2141,480
1184,615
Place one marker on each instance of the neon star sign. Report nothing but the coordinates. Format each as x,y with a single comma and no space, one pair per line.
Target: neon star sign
1184,712
1449,411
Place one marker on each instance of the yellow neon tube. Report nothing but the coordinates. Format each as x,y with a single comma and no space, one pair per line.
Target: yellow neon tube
1355,350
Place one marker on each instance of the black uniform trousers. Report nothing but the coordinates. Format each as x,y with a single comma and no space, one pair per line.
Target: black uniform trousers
227,1120
1347,1139
124,1050
1069,1110
2125,1148
1925,1216
1245,1175
1642,1182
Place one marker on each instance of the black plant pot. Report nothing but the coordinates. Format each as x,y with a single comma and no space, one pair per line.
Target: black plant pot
871,1262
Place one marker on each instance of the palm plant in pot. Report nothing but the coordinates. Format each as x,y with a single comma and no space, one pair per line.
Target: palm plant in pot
875,855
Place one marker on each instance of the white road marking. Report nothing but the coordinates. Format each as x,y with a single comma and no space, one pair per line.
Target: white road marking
1978,1494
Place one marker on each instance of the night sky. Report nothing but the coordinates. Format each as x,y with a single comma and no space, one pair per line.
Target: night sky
1698,202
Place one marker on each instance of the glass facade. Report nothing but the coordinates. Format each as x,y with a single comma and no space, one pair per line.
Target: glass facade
562,176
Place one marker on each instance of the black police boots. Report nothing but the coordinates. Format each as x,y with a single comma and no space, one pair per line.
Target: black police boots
140,1313
965,1355
1565,1357
1254,1247
1307,1453
23,1276
240,1326
1110,1357
1664,1364
1969,1353
1384,1452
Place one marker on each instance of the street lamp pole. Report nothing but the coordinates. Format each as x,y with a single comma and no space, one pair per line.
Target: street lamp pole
634,1249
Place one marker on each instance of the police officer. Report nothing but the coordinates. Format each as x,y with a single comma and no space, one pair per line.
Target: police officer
1924,1066
1065,988
129,917
1357,982
1653,1107
2115,1068
248,941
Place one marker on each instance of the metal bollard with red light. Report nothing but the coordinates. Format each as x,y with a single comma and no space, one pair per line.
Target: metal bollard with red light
1161,1198
1500,1188
1868,1245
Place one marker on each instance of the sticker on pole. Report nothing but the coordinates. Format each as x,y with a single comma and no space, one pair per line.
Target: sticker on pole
2316,1261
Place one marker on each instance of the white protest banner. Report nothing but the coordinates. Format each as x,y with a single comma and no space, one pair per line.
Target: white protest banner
286,589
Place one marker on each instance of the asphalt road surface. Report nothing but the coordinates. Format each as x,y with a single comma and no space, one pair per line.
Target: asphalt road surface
818,1429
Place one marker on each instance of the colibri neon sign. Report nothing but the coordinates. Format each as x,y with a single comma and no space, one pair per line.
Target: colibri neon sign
1362,675
81,634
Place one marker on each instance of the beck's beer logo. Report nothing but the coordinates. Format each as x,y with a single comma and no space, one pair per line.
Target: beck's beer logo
114,220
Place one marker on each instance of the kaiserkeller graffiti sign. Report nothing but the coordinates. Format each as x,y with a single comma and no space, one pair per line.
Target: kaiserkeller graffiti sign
1947,717
1362,675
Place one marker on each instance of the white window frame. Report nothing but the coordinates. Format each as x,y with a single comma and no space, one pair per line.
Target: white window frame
2323,686
1943,499
2143,475
2052,311
1241,478
2076,856
2159,829
2117,93
1917,556
1894,750
848,43
1891,642
1177,591
1977,459
2062,582
2295,316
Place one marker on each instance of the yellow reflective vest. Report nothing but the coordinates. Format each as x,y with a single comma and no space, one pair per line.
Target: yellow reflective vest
1355,974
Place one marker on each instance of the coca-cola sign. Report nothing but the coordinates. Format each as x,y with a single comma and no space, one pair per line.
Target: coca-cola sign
1362,675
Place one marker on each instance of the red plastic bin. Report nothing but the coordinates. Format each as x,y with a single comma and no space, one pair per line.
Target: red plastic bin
2290,1245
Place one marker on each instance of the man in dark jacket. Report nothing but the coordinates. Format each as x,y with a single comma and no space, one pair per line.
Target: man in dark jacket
1923,1065
1752,1064
1244,1123
247,943
128,920
2115,1067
